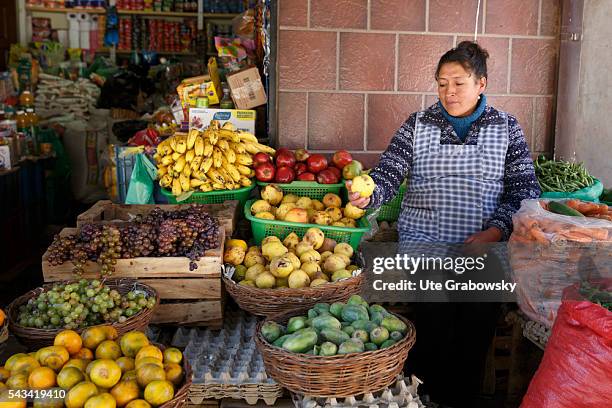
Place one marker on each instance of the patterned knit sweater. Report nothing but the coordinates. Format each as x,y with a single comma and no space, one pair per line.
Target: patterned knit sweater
519,178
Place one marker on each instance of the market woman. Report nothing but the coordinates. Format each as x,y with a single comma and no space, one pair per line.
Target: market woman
468,167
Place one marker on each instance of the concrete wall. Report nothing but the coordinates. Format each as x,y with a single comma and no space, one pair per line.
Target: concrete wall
351,71
594,135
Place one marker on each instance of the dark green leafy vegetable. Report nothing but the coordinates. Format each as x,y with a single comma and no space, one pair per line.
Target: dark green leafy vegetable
595,294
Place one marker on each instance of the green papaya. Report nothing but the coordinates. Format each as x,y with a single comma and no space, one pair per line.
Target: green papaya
364,325
377,308
351,346
379,335
355,300
312,313
376,317
336,309
370,347
349,330
334,336
321,307
397,336
361,335
271,331
350,313
387,343
326,322
279,342
392,324
301,343
296,323
328,349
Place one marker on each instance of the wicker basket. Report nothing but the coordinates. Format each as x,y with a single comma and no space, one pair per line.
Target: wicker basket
4,332
35,338
335,376
181,396
271,302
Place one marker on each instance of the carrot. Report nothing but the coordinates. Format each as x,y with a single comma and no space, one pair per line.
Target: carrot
576,236
597,209
598,234
538,235
573,203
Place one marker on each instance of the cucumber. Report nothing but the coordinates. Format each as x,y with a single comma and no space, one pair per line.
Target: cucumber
562,209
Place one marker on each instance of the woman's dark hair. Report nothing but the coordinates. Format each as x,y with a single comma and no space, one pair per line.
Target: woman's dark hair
470,55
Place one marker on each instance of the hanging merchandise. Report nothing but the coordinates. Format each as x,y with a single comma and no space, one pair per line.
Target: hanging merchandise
111,35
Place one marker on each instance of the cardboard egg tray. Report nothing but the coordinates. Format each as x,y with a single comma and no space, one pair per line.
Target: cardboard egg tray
226,363
401,394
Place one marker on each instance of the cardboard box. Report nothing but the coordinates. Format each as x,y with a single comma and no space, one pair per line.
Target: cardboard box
242,119
247,88
5,157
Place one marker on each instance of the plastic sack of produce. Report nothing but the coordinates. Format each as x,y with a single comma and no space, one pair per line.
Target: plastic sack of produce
577,365
141,182
549,251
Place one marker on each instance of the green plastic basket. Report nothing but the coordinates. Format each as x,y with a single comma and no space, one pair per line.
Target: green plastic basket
264,228
310,189
213,197
390,212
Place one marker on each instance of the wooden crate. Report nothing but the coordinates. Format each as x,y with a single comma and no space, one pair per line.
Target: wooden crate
107,212
187,297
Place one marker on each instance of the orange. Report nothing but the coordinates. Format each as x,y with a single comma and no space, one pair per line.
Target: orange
104,400
84,353
125,363
42,377
11,360
105,373
77,363
149,372
48,403
93,336
132,342
2,317
25,364
79,394
108,349
69,377
174,373
173,355
4,374
149,360
7,402
53,357
69,339
111,332
18,381
150,351
124,392
138,403
129,375
159,392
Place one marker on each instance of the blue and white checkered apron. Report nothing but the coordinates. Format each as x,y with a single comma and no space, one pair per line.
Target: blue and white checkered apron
453,189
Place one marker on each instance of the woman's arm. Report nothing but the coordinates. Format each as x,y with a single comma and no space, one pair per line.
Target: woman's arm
395,163
520,181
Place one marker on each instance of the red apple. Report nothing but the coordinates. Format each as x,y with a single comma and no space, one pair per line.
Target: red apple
336,171
300,168
284,174
265,172
261,158
301,155
285,159
306,176
281,150
316,163
341,158
327,177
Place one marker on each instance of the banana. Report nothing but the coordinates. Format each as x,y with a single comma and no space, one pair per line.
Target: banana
167,160
186,171
199,174
195,183
217,157
213,136
244,170
173,141
181,146
157,157
176,187
225,174
184,181
245,182
229,135
230,155
247,137
255,148
252,173
206,187
218,186
233,172
215,176
215,124
165,181
208,148
191,138
229,126
222,144
196,162
180,164
199,146
161,171
237,147
189,155
164,150
175,156
206,164
244,159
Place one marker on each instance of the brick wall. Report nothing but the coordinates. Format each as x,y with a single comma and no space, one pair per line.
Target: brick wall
351,71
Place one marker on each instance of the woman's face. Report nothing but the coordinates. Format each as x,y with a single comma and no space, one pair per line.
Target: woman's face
459,89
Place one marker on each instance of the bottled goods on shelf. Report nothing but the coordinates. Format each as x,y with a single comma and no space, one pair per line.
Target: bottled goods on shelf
136,33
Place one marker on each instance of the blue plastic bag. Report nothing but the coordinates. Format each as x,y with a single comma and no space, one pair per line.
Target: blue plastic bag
142,181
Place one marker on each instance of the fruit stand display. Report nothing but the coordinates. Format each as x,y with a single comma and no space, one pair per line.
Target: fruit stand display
178,252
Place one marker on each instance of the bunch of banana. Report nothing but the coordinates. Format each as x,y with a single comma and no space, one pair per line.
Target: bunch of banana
217,158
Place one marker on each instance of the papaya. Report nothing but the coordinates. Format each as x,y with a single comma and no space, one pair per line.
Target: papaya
364,325
377,308
334,336
271,331
361,335
321,307
370,347
379,335
356,300
301,343
312,313
328,349
387,343
326,322
351,346
349,330
279,342
336,309
350,313
376,317
397,336
392,324
296,323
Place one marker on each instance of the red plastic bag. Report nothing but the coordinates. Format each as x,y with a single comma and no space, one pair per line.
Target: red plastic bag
576,370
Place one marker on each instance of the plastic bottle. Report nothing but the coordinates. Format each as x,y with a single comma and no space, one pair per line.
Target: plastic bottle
226,101
26,99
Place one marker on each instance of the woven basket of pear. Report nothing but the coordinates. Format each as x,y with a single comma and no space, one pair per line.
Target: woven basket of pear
292,263
276,205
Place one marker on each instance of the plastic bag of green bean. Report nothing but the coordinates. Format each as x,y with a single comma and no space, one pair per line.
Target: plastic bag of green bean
590,193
